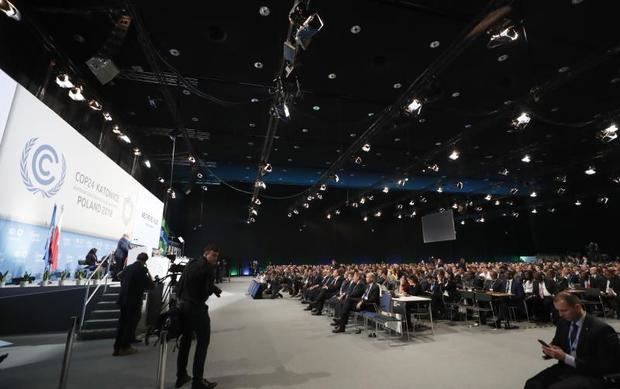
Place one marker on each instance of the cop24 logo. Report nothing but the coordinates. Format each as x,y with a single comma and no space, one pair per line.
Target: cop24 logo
48,171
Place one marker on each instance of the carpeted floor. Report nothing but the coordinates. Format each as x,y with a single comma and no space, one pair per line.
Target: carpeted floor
275,344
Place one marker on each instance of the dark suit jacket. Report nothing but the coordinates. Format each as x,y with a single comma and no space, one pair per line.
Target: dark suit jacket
598,348
599,282
134,281
334,285
344,287
373,294
356,290
516,288
415,290
497,285
549,284
561,284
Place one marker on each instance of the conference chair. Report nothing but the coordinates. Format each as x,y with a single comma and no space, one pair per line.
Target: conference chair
591,300
384,315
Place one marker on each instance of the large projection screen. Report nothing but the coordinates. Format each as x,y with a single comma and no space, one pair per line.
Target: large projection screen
438,227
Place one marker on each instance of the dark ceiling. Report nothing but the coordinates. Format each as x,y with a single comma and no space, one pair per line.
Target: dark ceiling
563,70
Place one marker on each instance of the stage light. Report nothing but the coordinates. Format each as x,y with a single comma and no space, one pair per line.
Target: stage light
267,168
590,170
306,205
116,130
521,121
62,80
399,216
423,199
616,179
95,105
125,138
608,134
551,210
385,189
199,175
577,202
147,163
560,191
459,185
363,200
354,205
329,216
434,168
137,152
296,212
462,222
454,156
507,35
480,220
561,178
533,194
412,214
180,238
323,187
358,160
253,211
173,195
402,181
161,180
191,159
439,189
251,220
497,202
399,206
257,202
371,197
290,214
487,197
503,172
513,191
602,200
310,27
107,117
260,184
75,94
534,210
365,218
366,147
455,206
478,209
336,178
515,214
10,10
378,214
526,158
412,203
205,188
281,111
414,107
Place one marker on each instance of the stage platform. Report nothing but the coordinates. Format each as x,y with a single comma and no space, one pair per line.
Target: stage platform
275,344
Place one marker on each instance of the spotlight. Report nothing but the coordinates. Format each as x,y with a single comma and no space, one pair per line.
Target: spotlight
560,191
260,184
423,199
267,168
62,80
336,178
365,218
371,197
358,160
497,202
521,121
385,189
608,134
199,175
107,117
602,200
257,202
434,168
306,205
459,185
533,194
95,105
253,211
173,194
116,130
191,159
551,210
378,214
414,107
399,206
251,220
205,188
504,36
366,147
161,180
526,158
310,198
399,216
454,156
310,27
354,205
412,203
439,189
290,214
455,206
296,212
534,210
323,187
616,179
10,10
125,138
503,172
480,220
337,212
363,200
329,216
75,93
147,163
281,111
561,178
487,197
515,214
478,209
137,152
590,170
513,191
462,222
577,202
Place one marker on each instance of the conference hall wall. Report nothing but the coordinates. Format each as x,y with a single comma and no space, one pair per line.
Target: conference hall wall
45,162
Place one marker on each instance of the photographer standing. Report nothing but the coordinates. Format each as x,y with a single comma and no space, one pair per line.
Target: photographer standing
196,285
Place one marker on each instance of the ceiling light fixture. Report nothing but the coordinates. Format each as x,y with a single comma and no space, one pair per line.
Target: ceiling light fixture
10,10
526,158
521,121
533,194
260,184
608,134
439,189
95,105
147,163
385,189
577,203
125,138
161,180
455,155
191,159
414,107
75,94
487,197
107,117
503,172
137,152
590,170
62,80
323,187
366,147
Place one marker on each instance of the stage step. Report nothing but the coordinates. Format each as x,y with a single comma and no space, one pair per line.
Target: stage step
105,314
109,297
99,333
92,324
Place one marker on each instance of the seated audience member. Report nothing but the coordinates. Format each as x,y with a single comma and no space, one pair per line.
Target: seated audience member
612,291
366,302
586,349
564,280
403,286
414,286
542,298
597,280
494,284
354,290
91,259
528,283
327,291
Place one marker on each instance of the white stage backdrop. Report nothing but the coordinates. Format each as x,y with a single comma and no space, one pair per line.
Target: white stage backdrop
7,90
44,161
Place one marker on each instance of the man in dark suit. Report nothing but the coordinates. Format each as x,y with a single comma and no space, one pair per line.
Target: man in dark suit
327,291
354,291
542,298
495,284
612,291
195,286
597,280
363,303
586,349
135,279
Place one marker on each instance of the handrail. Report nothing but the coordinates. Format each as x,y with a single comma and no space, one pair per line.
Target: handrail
66,360
87,297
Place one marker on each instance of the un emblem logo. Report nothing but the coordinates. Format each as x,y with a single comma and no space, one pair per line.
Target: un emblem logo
48,171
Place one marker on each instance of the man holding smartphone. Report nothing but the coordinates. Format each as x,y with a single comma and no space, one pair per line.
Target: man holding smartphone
586,349
195,286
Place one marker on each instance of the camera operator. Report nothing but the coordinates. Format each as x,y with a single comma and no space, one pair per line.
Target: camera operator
135,279
196,285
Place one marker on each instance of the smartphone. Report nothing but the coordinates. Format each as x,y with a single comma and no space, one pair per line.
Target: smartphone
543,343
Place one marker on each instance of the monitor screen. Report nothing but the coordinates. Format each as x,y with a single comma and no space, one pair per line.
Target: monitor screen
438,227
